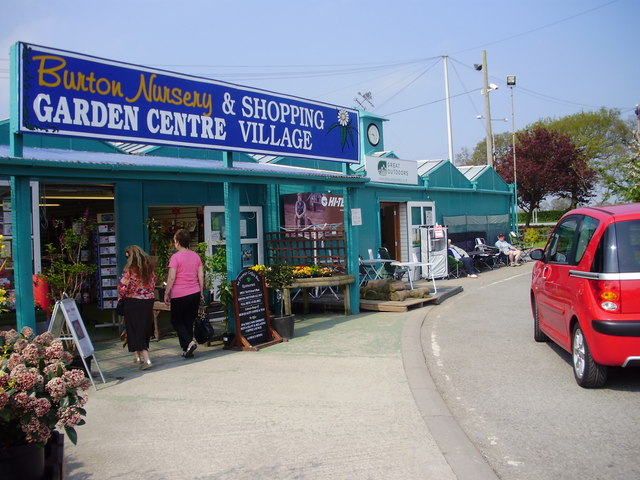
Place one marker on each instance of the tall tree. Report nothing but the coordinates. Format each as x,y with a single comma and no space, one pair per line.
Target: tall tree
603,137
548,163
627,186
501,144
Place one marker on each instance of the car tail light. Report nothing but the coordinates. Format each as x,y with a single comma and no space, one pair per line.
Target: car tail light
608,294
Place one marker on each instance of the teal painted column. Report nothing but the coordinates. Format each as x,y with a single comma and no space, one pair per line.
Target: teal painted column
272,215
232,229
22,252
130,219
350,198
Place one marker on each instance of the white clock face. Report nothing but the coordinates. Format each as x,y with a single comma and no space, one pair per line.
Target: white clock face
373,134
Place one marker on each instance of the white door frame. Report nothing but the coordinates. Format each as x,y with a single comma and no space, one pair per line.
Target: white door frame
413,230
212,238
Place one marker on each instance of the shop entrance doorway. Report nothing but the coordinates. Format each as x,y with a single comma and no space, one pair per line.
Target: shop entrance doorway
390,228
69,207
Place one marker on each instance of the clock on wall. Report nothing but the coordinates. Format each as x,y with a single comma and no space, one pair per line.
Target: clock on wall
373,134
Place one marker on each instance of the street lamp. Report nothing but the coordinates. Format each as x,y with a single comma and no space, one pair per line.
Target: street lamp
511,82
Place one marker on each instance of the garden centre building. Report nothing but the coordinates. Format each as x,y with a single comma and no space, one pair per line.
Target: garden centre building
236,166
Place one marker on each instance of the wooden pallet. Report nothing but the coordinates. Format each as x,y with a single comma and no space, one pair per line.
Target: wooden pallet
405,305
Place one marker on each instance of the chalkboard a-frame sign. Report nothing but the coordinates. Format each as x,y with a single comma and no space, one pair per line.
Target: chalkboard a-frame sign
65,313
253,323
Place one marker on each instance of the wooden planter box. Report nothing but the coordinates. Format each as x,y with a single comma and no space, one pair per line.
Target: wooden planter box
313,282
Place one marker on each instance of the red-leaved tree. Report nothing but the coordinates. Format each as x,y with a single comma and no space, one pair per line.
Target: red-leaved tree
548,163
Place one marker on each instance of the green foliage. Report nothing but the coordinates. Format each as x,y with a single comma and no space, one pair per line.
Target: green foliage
277,276
603,137
225,294
160,247
66,271
548,163
215,265
531,236
544,216
627,184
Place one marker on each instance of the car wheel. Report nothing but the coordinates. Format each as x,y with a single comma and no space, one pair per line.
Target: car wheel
538,335
588,373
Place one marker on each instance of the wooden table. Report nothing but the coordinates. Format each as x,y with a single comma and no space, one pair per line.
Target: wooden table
313,282
157,308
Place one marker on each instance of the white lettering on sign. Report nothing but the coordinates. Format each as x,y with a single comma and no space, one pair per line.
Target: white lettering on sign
261,109
81,112
255,132
182,124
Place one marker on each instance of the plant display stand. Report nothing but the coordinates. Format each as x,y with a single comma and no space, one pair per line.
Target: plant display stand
318,282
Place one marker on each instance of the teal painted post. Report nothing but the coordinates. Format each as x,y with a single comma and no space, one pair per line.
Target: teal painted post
272,215
351,233
22,252
130,216
232,230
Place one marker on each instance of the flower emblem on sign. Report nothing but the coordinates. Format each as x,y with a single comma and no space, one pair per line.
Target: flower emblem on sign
346,129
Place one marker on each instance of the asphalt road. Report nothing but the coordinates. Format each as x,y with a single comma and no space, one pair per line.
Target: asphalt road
517,399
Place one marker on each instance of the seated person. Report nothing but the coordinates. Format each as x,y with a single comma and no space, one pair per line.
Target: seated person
509,250
461,256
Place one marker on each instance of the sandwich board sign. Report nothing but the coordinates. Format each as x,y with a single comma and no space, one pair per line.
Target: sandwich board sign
65,313
253,324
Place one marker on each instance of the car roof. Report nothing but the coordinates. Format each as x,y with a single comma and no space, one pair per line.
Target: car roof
624,210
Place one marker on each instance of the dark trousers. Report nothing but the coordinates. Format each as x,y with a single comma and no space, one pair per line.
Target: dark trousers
468,265
184,311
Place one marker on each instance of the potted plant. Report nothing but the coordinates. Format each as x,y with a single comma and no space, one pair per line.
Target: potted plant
215,282
160,248
68,268
38,392
278,276
225,295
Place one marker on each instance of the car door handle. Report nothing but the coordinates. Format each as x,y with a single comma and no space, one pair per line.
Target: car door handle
546,272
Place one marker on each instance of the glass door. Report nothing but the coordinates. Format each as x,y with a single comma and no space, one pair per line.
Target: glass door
418,213
251,237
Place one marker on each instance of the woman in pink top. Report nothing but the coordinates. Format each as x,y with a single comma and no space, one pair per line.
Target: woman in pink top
185,281
136,286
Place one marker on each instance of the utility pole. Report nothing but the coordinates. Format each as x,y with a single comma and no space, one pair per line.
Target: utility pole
448,102
638,117
511,82
487,108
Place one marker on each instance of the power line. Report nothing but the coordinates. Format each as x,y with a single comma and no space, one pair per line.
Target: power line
566,19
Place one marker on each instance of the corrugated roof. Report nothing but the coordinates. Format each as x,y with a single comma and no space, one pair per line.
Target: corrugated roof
148,162
133,148
425,166
472,171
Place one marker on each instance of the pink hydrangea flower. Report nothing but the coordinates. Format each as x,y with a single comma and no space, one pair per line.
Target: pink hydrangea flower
69,417
26,332
56,388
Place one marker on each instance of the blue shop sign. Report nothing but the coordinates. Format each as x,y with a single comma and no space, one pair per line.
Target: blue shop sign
70,94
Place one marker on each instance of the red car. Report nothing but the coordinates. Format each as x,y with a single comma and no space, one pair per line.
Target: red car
585,290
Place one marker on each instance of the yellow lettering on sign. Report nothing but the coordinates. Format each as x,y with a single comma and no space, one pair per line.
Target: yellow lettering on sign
153,92
49,75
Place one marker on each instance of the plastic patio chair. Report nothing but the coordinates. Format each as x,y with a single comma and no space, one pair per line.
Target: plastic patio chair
392,270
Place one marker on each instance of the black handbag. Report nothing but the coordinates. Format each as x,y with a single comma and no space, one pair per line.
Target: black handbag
120,307
202,330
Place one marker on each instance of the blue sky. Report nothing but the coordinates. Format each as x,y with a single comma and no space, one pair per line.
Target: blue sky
568,55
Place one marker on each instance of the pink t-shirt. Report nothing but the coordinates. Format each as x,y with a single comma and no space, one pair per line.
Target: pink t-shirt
186,263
